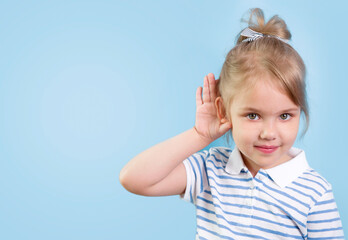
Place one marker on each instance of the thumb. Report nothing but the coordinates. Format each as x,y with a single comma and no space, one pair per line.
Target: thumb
225,127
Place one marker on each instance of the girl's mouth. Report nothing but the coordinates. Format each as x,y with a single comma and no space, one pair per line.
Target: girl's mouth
267,149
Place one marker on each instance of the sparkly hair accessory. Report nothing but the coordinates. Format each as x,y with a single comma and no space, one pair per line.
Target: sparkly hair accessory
253,35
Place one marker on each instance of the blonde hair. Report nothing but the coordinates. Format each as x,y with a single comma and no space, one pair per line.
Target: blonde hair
264,56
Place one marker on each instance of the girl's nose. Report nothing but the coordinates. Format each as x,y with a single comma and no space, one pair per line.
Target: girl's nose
268,132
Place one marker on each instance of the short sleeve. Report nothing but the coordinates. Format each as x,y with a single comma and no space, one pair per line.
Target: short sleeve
324,221
196,175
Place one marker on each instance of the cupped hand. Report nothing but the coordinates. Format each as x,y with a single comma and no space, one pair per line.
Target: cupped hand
208,125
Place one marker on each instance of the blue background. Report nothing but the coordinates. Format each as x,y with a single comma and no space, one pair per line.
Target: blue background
87,85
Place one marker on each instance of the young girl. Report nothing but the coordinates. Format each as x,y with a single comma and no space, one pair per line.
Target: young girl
264,188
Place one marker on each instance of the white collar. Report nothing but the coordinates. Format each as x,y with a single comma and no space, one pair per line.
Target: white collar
235,164
282,174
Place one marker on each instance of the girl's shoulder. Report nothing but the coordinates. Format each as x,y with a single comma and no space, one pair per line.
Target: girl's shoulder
315,182
218,152
217,156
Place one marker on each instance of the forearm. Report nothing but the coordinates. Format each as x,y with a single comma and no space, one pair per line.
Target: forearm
157,162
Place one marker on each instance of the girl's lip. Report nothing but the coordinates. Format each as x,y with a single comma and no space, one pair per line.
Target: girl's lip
266,149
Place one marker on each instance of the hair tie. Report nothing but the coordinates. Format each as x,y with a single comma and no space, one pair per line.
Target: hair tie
253,35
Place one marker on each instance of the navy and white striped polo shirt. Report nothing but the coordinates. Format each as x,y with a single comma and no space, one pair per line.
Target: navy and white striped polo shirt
289,201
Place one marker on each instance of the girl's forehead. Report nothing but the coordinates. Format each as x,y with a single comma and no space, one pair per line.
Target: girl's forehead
263,95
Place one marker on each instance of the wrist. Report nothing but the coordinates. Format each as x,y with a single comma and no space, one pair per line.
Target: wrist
204,140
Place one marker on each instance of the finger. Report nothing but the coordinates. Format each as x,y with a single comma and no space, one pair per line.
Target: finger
212,86
217,89
206,92
199,101
225,127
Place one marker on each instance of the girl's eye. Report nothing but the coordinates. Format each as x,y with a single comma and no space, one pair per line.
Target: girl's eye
253,116
285,116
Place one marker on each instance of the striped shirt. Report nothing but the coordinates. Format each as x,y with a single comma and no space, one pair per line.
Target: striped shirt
289,201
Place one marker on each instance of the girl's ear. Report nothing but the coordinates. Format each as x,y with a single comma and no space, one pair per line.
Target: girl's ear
220,110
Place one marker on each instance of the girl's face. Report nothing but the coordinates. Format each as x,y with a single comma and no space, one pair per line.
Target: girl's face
265,123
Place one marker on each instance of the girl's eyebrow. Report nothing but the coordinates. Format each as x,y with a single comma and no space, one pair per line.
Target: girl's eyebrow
250,109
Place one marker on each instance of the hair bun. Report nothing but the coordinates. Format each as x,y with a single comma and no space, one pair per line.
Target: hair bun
276,26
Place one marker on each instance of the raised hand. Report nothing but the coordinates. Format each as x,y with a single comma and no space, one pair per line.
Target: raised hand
208,125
